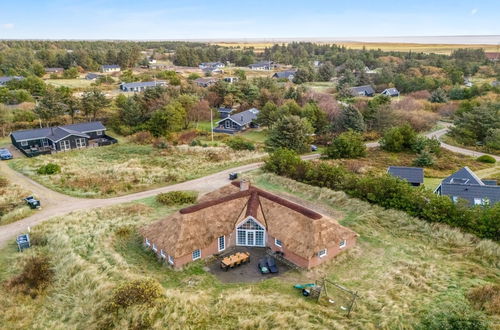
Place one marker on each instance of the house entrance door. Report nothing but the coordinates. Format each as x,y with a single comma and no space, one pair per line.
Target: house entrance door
250,233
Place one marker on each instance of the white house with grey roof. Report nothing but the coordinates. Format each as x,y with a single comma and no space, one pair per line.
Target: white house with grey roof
237,122
141,86
46,140
288,74
109,68
465,184
392,92
263,65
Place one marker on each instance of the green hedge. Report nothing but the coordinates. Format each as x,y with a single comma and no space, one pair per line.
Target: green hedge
486,159
238,143
389,192
176,197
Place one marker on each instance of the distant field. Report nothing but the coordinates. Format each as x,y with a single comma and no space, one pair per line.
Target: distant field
389,46
72,83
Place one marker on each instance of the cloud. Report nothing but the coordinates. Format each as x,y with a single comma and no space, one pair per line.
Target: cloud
473,11
8,26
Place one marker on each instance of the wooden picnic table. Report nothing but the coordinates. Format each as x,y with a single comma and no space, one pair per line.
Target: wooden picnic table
235,260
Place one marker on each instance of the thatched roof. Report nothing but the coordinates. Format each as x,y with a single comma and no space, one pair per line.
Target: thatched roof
302,230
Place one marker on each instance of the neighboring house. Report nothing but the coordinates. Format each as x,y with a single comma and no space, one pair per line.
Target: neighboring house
317,64
392,92
369,71
141,86
213,70
39,141
365,90
496,83
289,74
205,82
225,112
231,79
465,184
265,65
237,122
493,56
211,65
92,76
414,175
110,68
151,60
5,79
54,70
158,66
245,216
467,82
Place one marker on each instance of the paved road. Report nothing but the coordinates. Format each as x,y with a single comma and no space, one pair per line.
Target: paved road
56,204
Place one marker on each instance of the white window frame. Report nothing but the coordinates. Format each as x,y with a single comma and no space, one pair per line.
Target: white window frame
278,243
170,259
221,239
63,143
24,143
478,201
80,143
454,199
196,252
148,243
154,248
162,254
322,253
343,243
98,133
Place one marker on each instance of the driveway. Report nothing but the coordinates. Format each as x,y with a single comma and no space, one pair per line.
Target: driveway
57,204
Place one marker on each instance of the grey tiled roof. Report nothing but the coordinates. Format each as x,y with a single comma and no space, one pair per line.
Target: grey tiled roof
110,66
467,185
391,91
362,90
143,84
6,79
410,174
285,74
244,117
55,133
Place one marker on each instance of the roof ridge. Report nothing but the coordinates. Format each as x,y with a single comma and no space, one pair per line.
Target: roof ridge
481,183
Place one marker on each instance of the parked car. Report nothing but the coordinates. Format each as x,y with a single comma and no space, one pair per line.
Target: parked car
5,154
262,265
32,202
271,264
233,176
314,147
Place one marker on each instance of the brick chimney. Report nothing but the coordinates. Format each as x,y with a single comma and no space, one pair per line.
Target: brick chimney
244,185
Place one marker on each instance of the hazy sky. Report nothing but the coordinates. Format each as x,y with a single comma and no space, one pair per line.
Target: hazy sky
190,19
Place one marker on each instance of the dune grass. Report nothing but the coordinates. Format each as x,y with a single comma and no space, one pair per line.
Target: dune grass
12,206
125,167
400,266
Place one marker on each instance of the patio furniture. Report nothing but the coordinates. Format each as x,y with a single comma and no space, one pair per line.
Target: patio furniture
235,260
262,265
271,264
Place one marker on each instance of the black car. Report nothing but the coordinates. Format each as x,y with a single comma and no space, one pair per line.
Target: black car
314,147
32,202
233,176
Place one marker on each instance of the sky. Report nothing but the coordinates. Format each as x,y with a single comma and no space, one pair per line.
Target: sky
216,19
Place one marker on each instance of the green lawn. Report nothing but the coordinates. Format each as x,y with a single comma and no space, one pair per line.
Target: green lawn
402,268
254,135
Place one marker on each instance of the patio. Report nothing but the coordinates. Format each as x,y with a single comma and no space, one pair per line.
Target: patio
245,273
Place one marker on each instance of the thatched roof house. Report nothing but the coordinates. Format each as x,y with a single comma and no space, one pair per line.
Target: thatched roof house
243,215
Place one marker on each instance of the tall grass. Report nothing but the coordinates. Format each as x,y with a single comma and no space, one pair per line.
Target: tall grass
399,266
125,167
12,205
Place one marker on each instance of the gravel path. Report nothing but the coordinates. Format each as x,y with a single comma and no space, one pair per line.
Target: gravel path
57,204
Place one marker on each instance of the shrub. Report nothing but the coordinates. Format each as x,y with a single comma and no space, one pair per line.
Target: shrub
195,143
282,162
143,138
349,144
36,275
424,159
136,292
238,143
397,139
486,159
176,197
422,143
49,169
